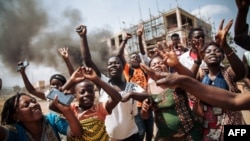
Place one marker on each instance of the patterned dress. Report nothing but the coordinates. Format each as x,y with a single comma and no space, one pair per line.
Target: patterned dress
215,117
173,116
92,121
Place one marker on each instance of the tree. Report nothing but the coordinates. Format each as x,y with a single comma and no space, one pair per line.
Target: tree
16,88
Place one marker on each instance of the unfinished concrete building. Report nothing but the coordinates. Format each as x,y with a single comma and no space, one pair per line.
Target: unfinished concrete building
161,27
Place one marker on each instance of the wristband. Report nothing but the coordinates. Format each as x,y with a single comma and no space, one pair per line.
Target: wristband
198,62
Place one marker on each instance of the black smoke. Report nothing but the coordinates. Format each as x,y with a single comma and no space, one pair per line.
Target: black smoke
29,32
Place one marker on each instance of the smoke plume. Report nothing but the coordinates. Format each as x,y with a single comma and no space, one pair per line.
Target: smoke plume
29,32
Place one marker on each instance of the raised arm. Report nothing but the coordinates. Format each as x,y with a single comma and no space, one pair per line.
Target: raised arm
68,87
241,27
30,88
140,31
170,59
84,47
115,96
65,55
120,51
144,57
200,55
237,67
212,95
76,77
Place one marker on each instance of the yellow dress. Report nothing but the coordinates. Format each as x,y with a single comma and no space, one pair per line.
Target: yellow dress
93,130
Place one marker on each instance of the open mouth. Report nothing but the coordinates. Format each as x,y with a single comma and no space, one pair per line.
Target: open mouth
36,111
213,58
113,70
158,69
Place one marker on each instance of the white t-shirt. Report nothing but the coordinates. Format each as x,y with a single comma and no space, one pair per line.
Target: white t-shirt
186,60
121,124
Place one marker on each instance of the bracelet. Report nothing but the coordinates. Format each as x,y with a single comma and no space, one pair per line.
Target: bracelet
229,54
198,62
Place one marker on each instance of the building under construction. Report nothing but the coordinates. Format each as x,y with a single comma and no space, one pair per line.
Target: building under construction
161,27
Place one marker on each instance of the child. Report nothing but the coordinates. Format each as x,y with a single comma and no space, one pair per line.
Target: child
91,115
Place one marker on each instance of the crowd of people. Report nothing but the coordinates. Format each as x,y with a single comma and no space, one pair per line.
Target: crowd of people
186,92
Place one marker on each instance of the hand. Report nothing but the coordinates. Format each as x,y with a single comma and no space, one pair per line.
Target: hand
146,105
140,30
199,46
170,47
164,47
64,52
170,58
200,50
167,48
21,66
160,46
169,80
81,30
221,36
126,36
77,76
62,108
89,73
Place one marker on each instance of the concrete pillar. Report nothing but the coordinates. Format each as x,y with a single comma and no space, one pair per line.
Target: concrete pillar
178,16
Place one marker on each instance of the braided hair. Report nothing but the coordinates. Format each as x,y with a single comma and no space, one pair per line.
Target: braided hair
9,109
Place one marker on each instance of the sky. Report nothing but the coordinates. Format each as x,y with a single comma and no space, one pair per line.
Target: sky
34,30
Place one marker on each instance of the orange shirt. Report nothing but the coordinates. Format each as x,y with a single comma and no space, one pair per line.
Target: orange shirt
138,77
